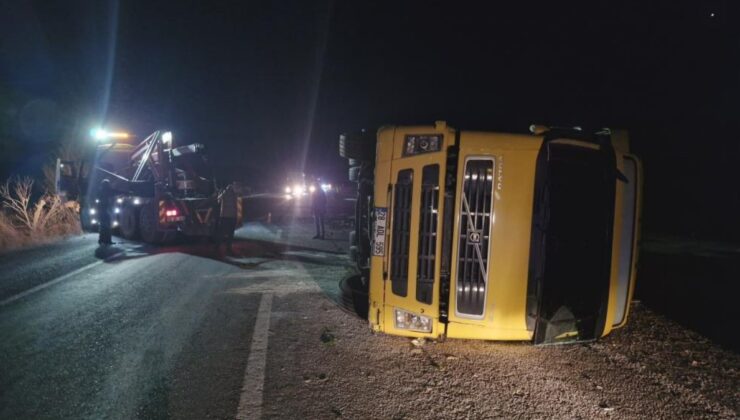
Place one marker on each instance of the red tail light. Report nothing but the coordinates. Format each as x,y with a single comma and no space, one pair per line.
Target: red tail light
171,213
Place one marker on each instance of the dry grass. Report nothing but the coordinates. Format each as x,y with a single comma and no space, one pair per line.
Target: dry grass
24,221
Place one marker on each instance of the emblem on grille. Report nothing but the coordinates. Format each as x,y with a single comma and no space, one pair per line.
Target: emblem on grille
474,237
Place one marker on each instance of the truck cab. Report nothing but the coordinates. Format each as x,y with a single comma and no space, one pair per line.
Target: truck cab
496,236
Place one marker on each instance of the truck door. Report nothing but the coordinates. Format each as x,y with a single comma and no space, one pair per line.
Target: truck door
572,236
65,180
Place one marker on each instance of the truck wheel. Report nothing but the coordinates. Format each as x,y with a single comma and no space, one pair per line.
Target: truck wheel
360,146
148,224
353,295
129,223
354,174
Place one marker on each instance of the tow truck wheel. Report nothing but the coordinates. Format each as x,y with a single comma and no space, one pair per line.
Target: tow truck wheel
129,223
148,224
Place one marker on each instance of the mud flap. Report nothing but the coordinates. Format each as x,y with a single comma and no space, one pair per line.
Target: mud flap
572,229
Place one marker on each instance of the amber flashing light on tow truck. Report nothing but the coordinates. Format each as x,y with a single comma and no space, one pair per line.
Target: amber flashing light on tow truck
100,134
496,236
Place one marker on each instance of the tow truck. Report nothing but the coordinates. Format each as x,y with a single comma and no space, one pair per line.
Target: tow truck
495,236
159,190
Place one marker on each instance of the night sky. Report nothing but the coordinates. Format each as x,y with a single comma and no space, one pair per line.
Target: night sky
268,86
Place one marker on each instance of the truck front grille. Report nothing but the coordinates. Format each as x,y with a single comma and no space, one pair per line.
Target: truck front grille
476,208
427,233
401,232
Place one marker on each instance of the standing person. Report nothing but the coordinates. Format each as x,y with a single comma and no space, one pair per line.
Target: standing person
104,196
227,218
318,206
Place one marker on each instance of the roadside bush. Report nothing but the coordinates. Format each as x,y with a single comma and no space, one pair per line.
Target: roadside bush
9,236
24,221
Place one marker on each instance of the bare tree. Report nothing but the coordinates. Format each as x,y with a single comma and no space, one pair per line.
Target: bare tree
47,216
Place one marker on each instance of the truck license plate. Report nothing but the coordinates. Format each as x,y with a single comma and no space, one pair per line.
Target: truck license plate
379,227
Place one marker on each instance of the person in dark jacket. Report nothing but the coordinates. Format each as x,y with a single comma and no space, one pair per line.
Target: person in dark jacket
227,219
318,206
104,196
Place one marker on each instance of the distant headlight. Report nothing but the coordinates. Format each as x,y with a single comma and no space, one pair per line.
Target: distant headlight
117,210
115,223
298,189
312,188
119,200
93,221
97,201
288,190
422,143
137,201
326,187
405,320
92,212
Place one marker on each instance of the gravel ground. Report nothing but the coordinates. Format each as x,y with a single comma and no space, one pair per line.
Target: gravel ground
325,363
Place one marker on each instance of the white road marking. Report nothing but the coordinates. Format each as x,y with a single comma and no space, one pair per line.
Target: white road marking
250,403
56,280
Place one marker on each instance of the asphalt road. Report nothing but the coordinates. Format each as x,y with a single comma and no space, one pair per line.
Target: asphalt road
136,331
185,332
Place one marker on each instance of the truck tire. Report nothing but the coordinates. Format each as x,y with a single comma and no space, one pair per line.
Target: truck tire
354,174
353,295
148,224
360,146
129,222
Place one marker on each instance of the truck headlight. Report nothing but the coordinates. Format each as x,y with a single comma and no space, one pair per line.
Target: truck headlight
422,143
405,320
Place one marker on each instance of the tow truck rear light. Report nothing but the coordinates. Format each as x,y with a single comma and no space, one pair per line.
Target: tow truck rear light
171,213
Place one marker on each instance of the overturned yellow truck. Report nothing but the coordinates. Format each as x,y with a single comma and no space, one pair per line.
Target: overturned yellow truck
495,236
